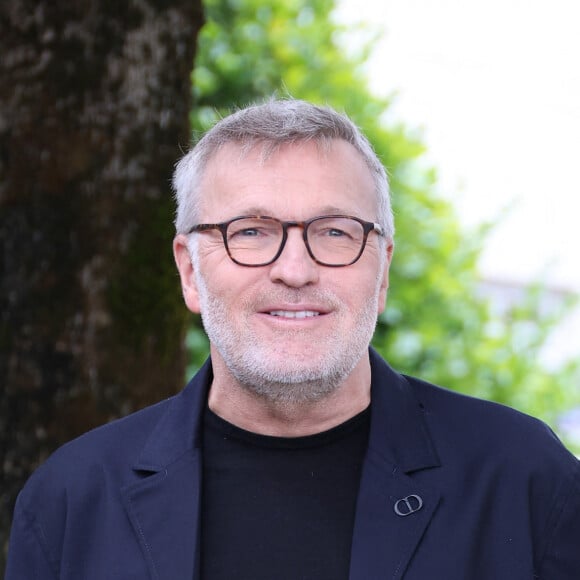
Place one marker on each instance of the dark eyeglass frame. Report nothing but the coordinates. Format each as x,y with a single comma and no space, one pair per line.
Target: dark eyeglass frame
368,227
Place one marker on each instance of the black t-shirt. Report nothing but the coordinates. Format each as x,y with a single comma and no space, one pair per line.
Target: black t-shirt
277,508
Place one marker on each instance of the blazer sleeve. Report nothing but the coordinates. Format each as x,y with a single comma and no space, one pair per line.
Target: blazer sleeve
28,555
561,558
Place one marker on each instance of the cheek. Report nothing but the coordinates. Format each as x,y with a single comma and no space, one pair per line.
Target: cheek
367,294
231,289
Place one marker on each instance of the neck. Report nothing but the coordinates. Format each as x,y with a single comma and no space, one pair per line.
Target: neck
247,410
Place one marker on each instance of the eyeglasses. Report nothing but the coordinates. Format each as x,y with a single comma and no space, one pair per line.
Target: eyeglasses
331,240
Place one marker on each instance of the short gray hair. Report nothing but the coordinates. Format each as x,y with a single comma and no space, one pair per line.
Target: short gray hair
273,124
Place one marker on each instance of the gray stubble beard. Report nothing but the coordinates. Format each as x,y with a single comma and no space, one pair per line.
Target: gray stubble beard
248,360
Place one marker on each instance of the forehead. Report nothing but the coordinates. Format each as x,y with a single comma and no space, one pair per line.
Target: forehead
293,180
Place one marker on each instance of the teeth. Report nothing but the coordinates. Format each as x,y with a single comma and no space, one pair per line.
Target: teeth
294,314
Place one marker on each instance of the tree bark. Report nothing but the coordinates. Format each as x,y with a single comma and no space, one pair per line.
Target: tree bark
94,110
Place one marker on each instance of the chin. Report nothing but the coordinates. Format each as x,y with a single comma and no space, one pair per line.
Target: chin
291,387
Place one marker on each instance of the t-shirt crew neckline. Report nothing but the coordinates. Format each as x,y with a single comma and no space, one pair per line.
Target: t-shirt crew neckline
231,431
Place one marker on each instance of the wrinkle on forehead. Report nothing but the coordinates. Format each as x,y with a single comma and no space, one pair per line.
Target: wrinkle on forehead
266,148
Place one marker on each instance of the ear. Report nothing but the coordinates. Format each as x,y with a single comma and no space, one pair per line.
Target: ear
186,273
385,279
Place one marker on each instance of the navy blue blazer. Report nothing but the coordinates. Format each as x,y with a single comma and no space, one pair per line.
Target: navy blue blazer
452,488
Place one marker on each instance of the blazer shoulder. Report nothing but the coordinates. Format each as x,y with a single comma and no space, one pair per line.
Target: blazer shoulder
123,451
105,452
480,426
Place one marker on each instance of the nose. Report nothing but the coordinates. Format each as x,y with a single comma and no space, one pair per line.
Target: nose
294,267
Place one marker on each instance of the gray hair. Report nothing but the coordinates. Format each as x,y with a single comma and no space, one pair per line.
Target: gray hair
271,125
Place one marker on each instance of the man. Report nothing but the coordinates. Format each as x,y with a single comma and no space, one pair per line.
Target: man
296,452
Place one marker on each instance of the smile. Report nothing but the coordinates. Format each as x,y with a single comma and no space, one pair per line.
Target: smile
294,313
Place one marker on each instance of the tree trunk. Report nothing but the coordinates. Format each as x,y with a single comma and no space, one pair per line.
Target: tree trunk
94,108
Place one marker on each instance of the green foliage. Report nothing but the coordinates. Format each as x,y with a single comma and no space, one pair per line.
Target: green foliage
436,325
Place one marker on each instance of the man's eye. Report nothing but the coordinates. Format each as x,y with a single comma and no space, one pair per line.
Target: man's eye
248,232
251,233
333,233
252,229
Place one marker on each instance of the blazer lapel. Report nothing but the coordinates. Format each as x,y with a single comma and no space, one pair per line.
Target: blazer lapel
164,504
393,512
164,512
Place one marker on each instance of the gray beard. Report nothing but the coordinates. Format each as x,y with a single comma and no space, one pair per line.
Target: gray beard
301,385
249,360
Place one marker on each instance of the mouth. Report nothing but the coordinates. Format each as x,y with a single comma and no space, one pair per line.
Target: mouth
294,313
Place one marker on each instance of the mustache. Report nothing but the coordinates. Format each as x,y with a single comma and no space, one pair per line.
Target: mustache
320,297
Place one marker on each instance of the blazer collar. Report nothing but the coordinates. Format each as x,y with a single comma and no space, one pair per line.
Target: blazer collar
399,433
179,430
398,430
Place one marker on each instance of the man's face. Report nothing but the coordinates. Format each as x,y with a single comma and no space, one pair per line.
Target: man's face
292,330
